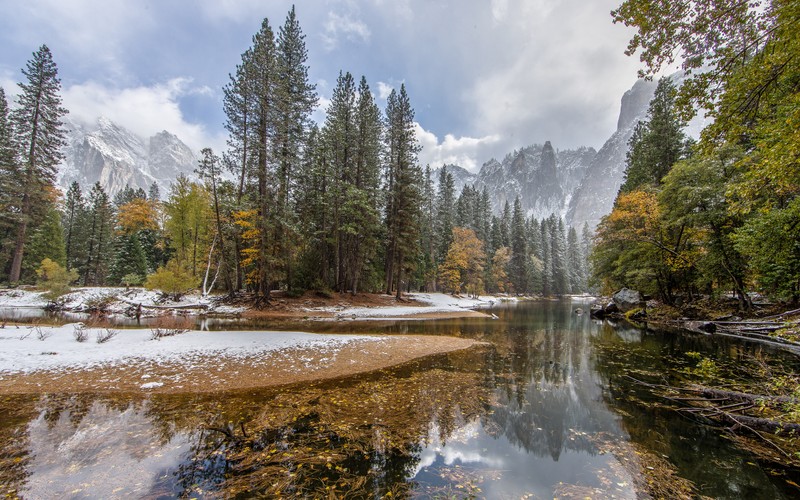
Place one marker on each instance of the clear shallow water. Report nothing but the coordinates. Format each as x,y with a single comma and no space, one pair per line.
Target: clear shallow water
545,410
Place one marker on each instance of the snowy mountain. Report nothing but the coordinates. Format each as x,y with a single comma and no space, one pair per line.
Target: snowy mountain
579,185
595,195
543,178
116,157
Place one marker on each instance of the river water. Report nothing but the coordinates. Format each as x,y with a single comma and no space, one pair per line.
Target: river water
546,408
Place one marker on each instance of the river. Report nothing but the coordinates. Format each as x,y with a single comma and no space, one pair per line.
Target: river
547,408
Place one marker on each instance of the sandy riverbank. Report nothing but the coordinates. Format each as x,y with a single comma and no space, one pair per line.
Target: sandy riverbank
49,359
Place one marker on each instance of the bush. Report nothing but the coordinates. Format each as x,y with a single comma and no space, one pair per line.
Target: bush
55,279
167,326
106,335
172,280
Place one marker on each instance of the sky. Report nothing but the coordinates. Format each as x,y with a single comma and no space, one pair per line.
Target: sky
484,77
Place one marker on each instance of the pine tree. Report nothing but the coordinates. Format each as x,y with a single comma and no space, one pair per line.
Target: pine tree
340,139
99,225
295,99
547,261
404,180
129,265
445,213
575,263
519,250
8,173
535,261
366,194
46,241
558,255
505,226
427,265
73,218
658,143
153,193
39,137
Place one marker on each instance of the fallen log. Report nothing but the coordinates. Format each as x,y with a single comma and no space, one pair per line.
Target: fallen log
183,306
759,424
719,394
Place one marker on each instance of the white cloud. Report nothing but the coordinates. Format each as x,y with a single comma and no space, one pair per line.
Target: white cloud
95,31
9,86
560,84
343,26
384,89
499,9
144,110
467,152
319,113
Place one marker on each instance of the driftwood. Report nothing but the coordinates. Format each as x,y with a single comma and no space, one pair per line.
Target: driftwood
184,306
759,424
719,394
724,408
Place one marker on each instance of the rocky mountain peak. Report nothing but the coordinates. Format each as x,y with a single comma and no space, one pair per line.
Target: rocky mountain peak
107,153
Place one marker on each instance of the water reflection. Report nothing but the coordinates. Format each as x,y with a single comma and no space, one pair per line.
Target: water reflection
546,410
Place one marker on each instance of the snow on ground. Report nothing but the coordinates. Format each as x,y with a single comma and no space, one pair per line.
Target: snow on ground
122,301
436,303
110,299
27,349
21,298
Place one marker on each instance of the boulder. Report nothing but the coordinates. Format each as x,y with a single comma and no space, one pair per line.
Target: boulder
627,299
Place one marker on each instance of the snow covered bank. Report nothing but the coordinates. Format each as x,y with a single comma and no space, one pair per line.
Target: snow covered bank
423,306
112,300
28,349
121,301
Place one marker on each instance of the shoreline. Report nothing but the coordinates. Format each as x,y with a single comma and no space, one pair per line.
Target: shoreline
198,362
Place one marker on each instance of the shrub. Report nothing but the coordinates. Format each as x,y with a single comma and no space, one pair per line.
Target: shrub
55,279
167,326
105,335
80,332
172,280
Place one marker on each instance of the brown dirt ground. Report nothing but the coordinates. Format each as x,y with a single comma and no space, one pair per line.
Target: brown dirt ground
220,374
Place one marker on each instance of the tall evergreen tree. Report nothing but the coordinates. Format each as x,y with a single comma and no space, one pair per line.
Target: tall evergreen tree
99,231
8,174
657,143
575,263
295,99
46,241
404,183
39,137
558,256
73,218
519,250
445,213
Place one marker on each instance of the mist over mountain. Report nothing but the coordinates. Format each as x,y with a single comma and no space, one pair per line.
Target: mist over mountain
577,184
115,157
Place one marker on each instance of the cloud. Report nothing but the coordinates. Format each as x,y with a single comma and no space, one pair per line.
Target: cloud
467,152
144,110
346,26
384,89
562,83
91,31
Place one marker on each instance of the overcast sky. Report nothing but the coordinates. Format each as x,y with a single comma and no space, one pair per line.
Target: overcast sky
484,77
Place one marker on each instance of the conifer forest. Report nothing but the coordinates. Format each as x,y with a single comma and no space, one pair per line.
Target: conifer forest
289,205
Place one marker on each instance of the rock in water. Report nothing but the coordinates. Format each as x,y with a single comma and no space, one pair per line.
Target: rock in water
627,299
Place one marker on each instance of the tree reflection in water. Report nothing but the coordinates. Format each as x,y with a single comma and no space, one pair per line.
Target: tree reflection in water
543,409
